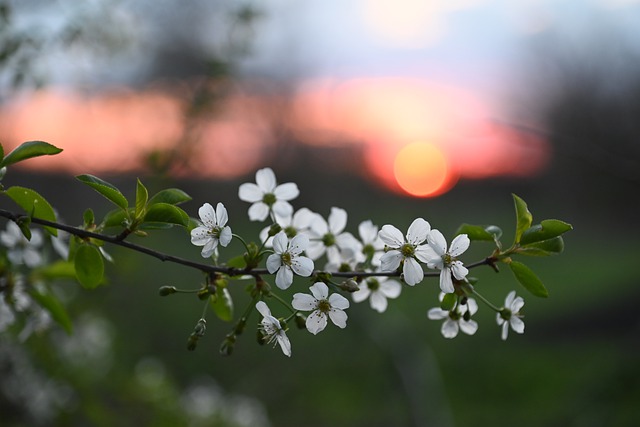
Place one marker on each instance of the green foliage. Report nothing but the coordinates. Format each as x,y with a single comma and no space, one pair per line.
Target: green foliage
448,302
34,204
107,190
480,232
57,270
172,196
89,265
523,217
142,196
528,279
547,229
28,150
548,247
50,303
222,304
166,214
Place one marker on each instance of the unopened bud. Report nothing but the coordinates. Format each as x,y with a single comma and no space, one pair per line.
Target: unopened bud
274,229
226,349
167,290
349,285
192,342
467,315
200,328
239,329
203,294
301,321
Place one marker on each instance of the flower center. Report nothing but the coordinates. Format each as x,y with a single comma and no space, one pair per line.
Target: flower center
368,250
329,239
447,259
407,250
373,284
269,199
344,267
324,306
286,258
215,232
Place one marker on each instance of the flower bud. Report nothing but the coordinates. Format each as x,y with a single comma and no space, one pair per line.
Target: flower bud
200,328
349,285
239,329
274,229
226,349
301,321
167,290
192,342
203,294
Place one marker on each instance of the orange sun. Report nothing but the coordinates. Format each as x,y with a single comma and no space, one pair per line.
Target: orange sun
422,170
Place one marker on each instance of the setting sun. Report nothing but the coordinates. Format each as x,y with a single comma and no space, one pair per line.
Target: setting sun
422,170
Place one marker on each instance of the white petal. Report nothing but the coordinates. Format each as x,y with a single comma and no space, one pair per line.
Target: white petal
304,302
258,211
499,319
449,328
509,299
207,215
282,208
319,290
436,263
459,245
250,192
266,180
337,220
368,232
390,288
472,306
263,309
302,218
338,317
516,305
437,241
284,277
446,283
273,263
437,313
36,238
459,271
200,236
418,231
390,261
32,257
319,226
412,271
425,253
221,215
315,249
469,327
284,343
517,324
505,331
338,301
280,242
287,191
302,266
361,294
209,248
391,236
316,322
298,244
225,236
378,302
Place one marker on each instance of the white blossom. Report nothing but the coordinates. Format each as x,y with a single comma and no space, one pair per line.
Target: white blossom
510,315
272,329
213,229
447,261
292,225
323,306
287,259
378,290
455,319
266,196
406,250
372,244
329,236
7,317
20,250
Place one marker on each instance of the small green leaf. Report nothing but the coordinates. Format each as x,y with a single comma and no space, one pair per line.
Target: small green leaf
50,303
523,217
34,205
117,218
87,217
528,279
142,196
166,213
480,232
1,154
448,302
237,262
57,270
28,150
547,229
222,304
548,247
107,190
172,196
89,266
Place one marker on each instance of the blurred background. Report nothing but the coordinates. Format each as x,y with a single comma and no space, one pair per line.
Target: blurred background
388,109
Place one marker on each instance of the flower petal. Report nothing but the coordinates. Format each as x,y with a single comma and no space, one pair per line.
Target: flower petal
362,293
338,317
298,244
468,327
209,248
368,231
284,343
287,191
437,241
319,290
316,322
472,306
221,215
304,302
378,302
273,263
263,309
459,271
449,328
249,192
425,253
390,288
302,266
266,180
459,245
200,236
280,243
412,271
284,277
258,211
315,249
282,208
505,331
207,215
390,261
338,301
446,283
437,313
418,231
516,305
337,220
517,324
391,236
225,236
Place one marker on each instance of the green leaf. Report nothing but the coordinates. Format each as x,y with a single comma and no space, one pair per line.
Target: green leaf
50,303
548,247
547,229
107,190
523,217
89,266
28,150
166,213
237,262
528,279
142,196
480,232
172,196
34,205
1,154
448,302
222,304
88,217
58,270
117,218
